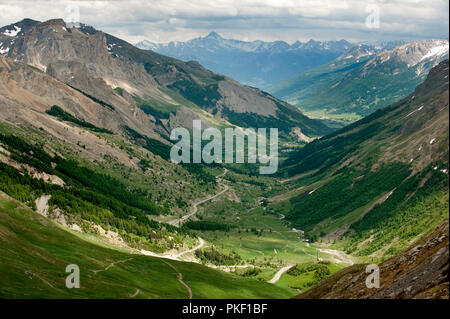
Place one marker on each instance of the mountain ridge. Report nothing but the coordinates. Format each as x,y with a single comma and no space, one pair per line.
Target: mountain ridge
360,184
362,81
255,63
166,91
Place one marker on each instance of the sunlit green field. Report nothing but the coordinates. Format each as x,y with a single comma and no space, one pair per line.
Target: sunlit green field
35,252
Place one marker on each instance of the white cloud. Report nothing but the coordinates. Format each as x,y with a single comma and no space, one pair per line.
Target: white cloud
290,20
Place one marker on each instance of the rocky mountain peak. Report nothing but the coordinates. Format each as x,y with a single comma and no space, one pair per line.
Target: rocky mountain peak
357,51
53,22
214,35
413,53
18,28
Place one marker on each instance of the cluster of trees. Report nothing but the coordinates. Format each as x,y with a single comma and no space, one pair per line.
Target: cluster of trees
345,193
215,257
90,195
93,98
319,269
204,96
207,225
108,186
321,273
119,90
76,201
301,269
154,146
411,210
163,150
250,272
26,153
324,152
59,113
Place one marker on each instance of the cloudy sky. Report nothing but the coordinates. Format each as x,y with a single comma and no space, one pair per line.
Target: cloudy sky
288,20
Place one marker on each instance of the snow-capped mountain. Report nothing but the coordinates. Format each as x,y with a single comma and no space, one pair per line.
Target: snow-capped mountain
359,51
255,63
9,33
420,55
363,79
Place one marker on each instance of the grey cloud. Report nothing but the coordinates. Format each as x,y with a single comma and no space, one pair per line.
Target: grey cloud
288,20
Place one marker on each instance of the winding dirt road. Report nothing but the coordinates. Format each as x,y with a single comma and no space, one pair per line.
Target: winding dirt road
199,246
135,294
279,273
180,221
111,265
180,278
174,256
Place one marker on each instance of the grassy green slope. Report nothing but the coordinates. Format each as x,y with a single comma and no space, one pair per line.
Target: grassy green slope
306,275
424,210
35,252
379,183
302,86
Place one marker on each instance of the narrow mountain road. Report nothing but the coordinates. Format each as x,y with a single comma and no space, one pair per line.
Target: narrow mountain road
180,221
176,256
199,246
233,267
111,265
180,278
279,273
135,294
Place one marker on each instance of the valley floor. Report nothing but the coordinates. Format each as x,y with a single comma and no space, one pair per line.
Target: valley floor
267,244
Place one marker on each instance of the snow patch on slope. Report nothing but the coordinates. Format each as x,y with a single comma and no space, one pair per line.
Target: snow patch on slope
12,33
440,49
3,50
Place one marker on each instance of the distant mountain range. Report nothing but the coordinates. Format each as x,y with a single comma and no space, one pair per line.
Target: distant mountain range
256,63
362,80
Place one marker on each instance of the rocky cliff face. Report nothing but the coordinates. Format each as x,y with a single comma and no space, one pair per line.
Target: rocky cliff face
420,272
26,93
